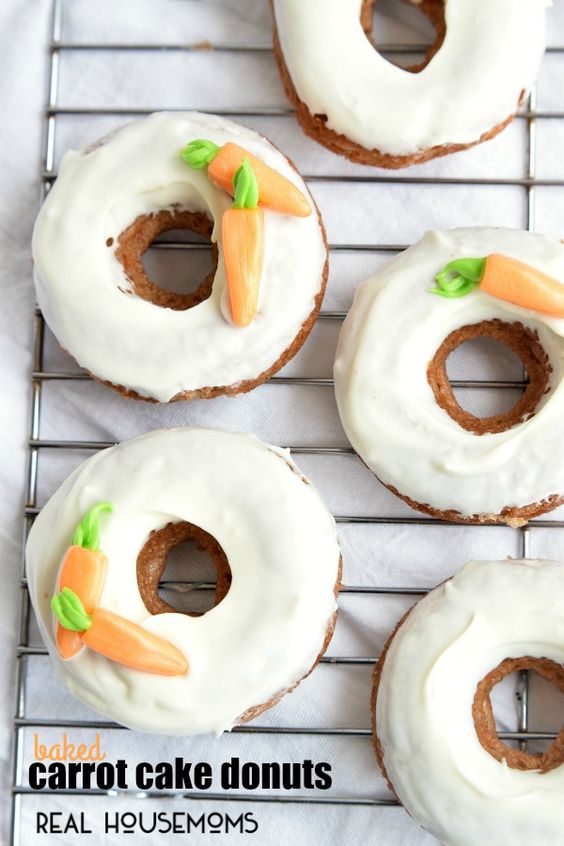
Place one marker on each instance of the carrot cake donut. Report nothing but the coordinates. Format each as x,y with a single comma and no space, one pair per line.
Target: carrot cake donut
393,393
434,730
97,551
349,98
172,171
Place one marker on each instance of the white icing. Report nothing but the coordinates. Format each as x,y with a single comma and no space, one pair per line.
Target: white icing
453,638
281,545
388,409
86,297
489,57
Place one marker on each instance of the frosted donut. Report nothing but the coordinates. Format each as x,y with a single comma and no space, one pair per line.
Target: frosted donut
106,206
396,404
433,726
349,98
248,504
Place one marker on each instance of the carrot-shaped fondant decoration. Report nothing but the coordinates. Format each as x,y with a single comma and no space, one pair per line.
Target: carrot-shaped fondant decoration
276,192
117,638
83,570
506,279
242,229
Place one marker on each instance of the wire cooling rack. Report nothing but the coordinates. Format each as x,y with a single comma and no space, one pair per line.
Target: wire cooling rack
529,182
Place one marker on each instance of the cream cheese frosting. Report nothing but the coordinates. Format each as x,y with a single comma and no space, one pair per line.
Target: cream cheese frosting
489,58
490,611
88,301
388,408
281,545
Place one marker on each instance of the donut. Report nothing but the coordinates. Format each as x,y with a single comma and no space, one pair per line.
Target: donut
107,205
394,398
352,100
98,548
434,731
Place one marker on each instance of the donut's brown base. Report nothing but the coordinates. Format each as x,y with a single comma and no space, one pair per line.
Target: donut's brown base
510,516
525,344
315,125
482,712
376,678
151,563
133,242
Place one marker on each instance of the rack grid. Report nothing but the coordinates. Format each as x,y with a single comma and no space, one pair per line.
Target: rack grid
37,445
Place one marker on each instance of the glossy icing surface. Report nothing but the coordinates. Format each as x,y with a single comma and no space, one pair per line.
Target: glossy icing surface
388,409
447,644
282,549
87,299
473,83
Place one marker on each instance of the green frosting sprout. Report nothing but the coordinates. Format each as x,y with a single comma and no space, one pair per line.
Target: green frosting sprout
459,277
199,154
70,611
87,533
245,187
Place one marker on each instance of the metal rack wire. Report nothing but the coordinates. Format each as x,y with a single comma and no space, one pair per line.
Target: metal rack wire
38,445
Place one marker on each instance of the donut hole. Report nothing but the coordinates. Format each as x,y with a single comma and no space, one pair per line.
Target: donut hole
505,682
485,359
182,568
192,594
418,22
494,409
170,277
178,261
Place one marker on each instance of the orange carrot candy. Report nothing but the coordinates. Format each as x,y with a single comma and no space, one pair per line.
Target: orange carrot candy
242,230
506,279
276,192
117,638
83,570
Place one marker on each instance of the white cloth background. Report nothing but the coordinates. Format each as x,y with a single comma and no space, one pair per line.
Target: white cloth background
354,213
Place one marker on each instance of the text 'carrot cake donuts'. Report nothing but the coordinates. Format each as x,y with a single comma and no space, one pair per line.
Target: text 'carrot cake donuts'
98,549
394,397
433,725
180,171
352,100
